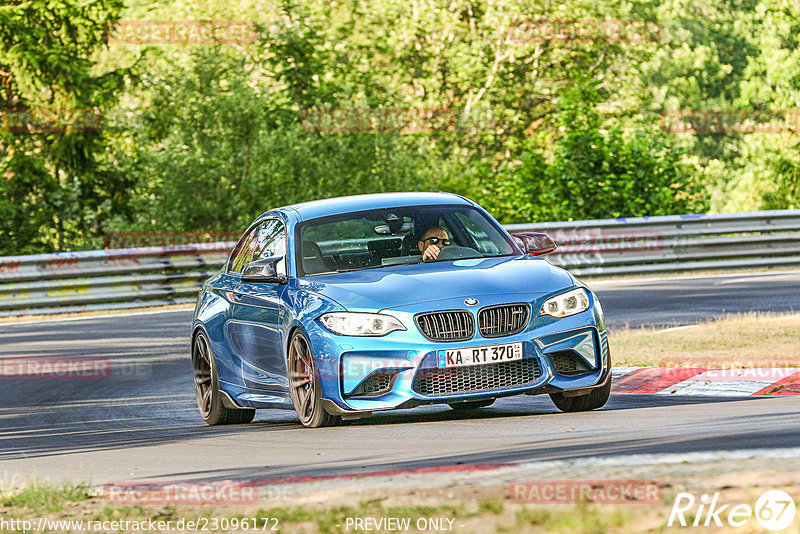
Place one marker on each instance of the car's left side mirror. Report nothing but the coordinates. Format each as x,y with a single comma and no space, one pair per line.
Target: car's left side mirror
264,271
535,243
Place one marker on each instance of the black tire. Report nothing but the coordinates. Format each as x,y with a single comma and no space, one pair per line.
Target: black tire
591,401
206,388
472,405
304,385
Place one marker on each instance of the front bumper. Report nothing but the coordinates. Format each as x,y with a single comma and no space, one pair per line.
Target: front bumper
362,374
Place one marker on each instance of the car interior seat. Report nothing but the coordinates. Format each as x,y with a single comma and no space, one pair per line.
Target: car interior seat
313,261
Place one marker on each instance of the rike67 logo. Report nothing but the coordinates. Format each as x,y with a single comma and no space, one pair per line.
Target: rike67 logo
774,510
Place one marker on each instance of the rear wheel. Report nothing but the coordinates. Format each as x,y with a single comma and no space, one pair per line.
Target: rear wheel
591,401
206,388
472,405
305,388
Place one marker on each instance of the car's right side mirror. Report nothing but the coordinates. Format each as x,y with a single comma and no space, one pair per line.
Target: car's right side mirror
535,243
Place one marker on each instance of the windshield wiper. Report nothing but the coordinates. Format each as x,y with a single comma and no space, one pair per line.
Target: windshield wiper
360,268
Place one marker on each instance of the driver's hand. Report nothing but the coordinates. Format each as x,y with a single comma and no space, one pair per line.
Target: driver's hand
430,253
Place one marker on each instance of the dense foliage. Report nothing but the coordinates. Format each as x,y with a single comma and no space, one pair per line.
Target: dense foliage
346,96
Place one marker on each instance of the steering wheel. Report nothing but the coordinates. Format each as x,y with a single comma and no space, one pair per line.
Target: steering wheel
456,252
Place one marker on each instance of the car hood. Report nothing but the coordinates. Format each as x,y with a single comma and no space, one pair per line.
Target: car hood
400,285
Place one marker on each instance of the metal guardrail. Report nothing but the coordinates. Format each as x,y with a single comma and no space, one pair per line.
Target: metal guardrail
674,243
106,279
152,276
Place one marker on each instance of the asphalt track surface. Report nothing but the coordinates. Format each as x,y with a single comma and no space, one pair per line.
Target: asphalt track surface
141,422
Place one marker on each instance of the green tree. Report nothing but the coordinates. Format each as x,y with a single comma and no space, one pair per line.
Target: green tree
215,149
53,190
596,174
547,128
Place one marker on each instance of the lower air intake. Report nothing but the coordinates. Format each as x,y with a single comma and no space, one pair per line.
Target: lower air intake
378,383
569,364
436,381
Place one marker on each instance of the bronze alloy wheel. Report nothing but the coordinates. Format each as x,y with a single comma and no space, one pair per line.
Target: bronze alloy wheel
206,388
304,385
203,384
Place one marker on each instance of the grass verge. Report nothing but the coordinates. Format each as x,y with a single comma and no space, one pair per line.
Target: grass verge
76,503
735,341
462,509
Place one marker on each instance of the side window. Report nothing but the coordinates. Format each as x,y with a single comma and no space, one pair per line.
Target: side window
244,251
271,240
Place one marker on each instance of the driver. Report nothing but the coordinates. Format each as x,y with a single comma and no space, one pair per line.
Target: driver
432,242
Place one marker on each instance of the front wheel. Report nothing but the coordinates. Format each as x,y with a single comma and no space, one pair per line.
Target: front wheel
305,388
206,388
591,401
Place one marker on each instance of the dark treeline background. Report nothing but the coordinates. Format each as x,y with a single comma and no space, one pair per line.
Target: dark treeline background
204,137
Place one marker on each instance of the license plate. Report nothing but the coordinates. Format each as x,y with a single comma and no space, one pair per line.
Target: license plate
479,355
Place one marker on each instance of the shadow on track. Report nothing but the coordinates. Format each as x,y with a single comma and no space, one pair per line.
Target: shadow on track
728,435
98,423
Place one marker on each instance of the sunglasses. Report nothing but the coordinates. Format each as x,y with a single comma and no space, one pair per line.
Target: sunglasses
437,240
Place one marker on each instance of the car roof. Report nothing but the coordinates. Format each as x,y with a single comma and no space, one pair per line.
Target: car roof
334,206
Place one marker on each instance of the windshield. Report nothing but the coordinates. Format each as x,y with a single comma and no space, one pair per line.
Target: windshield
396,236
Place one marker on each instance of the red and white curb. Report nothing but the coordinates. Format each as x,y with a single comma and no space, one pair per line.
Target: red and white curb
700,381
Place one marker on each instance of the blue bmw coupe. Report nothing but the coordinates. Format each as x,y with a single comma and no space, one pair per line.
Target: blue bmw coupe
343,307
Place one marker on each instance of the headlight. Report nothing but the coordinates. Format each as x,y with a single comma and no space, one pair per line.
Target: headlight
565,304
360,324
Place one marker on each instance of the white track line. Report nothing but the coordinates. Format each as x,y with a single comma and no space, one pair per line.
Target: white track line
674,328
